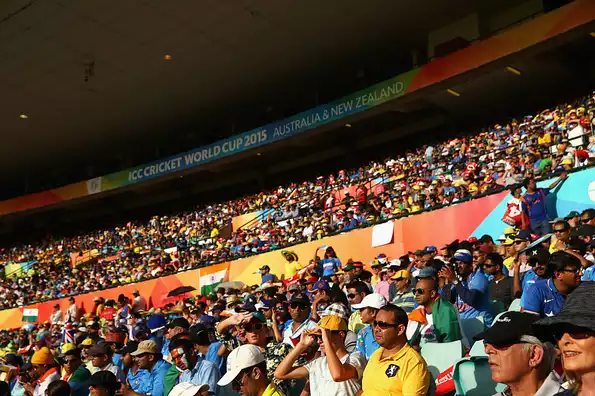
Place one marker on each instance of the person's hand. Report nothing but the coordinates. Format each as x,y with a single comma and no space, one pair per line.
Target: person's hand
447,273
319,298
308,338
28,388
241,318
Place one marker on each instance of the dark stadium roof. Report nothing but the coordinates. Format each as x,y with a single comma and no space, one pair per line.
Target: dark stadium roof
91,77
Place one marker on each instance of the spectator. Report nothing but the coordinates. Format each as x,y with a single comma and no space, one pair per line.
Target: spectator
136,378
336,373
534,206
588,217
148,357
501,288
101,358
356,292
194,367
140,303
400,292
299,310
546,297
292,265
247,373
472,289
383,287
75,373
56,315
573,329
537,260
104,383
435,319
561,237
266,276
329,264
58,388
518,358
72,311
368,309
394,358
44,371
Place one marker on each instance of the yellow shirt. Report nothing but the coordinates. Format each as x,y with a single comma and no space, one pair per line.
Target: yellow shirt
271,390
355,322
546,139
509,262
292,268
403,374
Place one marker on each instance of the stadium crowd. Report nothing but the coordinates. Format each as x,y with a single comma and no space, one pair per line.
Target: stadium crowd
525,302
432,176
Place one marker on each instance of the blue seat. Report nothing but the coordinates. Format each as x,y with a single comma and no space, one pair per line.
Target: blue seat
473,377
515,305
441,356
472,327
478,349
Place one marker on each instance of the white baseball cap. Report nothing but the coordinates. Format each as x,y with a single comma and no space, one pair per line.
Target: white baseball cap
188,389
240,358
373,300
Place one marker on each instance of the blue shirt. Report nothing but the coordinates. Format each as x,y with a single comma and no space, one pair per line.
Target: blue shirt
117,361
528,279
155,385
204,372
534,205
544,299
482,307
328,266
213,357
366,343
139,382
589,274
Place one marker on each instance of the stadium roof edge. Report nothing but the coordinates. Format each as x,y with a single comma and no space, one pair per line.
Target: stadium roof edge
478,54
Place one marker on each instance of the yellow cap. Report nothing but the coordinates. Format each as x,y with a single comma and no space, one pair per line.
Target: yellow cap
508,242
401,274
67,348
509,231
43,356
333,322
87,342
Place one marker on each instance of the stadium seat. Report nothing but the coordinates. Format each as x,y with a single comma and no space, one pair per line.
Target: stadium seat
472,327
515,305
441,356
478,349
472,377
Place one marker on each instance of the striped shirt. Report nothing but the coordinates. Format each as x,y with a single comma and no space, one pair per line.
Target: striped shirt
405,300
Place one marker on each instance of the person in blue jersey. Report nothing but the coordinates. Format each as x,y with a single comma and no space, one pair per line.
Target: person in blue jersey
537,259
136,378
148,357
534,206
471,287
203,337
329,264
546,297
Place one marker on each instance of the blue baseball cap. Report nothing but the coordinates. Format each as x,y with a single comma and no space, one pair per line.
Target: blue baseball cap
321,285
430,249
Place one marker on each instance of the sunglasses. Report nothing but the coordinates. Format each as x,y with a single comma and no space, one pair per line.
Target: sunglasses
571,271
351,295
253,328
399,279
560,231
586,220
298,306
384,325
489,265
239,380
418,291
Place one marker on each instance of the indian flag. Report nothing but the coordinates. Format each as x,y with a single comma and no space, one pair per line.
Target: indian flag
211,277
30,315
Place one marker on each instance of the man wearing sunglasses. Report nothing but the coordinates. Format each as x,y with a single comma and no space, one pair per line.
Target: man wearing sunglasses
75,373
518,358
435,319
588,217
501,286
395,368
356,292
148,357
561,237
299,310
546,297
247,373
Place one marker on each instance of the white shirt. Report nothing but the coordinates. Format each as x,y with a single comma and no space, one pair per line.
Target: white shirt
288,334
115,370
41,387
322,383
139,304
